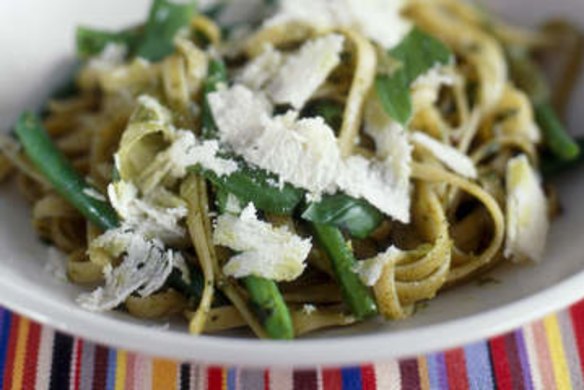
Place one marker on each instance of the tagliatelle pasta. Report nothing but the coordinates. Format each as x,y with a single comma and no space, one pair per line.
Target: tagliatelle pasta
195,161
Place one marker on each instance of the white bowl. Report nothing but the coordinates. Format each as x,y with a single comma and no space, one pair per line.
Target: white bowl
36,43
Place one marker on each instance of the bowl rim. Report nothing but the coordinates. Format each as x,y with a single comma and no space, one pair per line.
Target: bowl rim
328,351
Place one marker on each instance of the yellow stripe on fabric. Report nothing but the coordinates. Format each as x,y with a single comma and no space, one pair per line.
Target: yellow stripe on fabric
558,355
20,352
164,374
423,372
121,368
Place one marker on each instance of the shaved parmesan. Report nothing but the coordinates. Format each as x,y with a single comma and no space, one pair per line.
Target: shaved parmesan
144,269
187,151
305,71
377,182
302,152
146,217
446,154
379,20
260,70
263,250
370,270
527,213
239,112
305,153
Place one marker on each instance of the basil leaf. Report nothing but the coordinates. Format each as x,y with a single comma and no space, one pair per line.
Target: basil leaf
257,186
91,42
416,55
165,20
356,216
394,94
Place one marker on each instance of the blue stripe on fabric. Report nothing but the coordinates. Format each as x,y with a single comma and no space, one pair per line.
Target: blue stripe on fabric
437,371
231,378
523,359
478,366
112,358
351,378
5,322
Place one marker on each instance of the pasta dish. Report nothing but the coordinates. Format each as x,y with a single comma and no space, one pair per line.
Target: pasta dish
310,164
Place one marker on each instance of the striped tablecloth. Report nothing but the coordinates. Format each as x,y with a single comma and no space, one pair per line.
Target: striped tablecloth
548,354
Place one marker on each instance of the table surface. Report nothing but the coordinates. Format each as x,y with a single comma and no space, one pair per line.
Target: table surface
547,354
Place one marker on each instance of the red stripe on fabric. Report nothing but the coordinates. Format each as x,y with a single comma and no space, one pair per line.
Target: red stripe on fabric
577,315
410,374
514,362
305,380
32,355
332,379
267,380
368,381
10,352
130,369
500,363
100,368
77,364
214,378
456,369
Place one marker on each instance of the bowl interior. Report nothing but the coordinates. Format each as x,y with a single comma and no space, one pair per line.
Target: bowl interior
38,48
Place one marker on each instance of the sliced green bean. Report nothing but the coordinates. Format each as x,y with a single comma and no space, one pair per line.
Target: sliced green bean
559,142
355,294
40,149
531,80
269,305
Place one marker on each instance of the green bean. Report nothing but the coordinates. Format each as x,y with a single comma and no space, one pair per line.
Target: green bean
268,304
165,20
531,80
355,294
48,159
559,142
